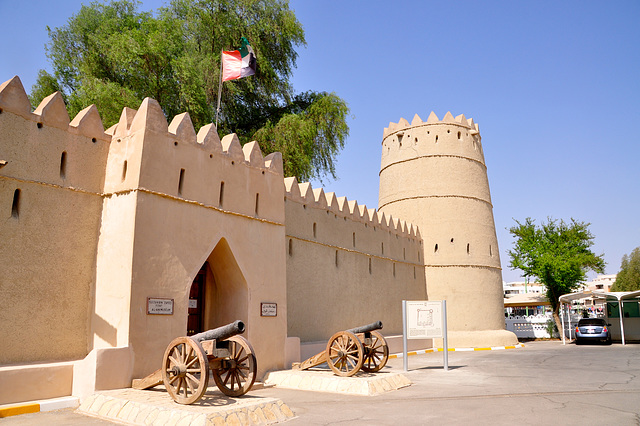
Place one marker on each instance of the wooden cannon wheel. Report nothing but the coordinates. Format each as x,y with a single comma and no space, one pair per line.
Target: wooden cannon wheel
237,373
345,353
185,370
376,355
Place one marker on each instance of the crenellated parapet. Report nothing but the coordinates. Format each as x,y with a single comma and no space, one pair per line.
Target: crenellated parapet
457,136
141,152
173,160
316,216
46,146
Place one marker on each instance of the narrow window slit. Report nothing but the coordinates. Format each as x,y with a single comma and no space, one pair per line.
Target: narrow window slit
220,197
124,170
63,165
15,206
181,182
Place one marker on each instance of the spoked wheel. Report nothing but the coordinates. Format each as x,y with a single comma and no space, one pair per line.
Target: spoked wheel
376,355
345,353
185,370
237,373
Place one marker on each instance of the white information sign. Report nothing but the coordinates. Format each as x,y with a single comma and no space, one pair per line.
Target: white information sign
424,319
157,306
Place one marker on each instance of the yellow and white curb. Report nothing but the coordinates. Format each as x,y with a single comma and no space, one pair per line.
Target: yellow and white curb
426,351
38,406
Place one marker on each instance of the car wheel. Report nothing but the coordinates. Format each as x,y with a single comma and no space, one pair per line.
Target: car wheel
578,342
608,341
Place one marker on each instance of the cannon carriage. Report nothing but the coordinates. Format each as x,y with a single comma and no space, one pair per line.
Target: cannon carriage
351,350
187,361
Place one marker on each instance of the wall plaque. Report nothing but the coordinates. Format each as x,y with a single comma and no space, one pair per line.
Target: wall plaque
268,309
158,306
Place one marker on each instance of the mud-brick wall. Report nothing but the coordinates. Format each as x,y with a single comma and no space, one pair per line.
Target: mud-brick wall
346,266
51,176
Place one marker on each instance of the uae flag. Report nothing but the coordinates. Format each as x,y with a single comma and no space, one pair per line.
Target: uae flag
239,63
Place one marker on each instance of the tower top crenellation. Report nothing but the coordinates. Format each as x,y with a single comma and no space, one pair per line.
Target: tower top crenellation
403,124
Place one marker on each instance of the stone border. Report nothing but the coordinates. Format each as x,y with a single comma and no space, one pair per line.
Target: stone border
367,384
161,410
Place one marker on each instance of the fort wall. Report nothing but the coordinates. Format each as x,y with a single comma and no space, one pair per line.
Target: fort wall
347,265
96,222
50,207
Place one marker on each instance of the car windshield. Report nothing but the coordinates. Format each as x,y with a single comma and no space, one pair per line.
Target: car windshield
591,321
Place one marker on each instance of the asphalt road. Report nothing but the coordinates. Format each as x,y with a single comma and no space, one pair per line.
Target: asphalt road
542,383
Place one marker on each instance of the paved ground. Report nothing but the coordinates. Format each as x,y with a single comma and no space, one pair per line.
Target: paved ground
543,383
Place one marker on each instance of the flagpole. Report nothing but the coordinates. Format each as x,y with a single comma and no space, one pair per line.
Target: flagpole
219,91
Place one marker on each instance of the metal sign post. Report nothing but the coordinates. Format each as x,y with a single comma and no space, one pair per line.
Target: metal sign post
422,319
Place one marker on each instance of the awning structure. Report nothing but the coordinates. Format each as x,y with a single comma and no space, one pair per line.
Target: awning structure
616,296
526,299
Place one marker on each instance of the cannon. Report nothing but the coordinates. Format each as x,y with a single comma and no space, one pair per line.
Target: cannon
351,350
187,361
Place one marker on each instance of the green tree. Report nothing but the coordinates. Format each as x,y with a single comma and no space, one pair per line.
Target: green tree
628,279
558,254
112,55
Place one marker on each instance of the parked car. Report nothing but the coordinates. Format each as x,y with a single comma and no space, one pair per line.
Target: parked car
591,330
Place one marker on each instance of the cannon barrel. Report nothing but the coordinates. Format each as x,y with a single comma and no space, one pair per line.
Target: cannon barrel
221,333
366,328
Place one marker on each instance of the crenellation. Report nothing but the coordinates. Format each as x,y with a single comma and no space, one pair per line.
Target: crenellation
416,120
149,117
352,205
209,139
320,198
291,188
448,118
332,202
273,162
124,124
89,124
14,98
253,154
306,192
231,146
53,112
182,127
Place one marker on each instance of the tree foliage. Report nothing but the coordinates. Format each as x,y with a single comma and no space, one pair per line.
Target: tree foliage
557,253
112,55
628,279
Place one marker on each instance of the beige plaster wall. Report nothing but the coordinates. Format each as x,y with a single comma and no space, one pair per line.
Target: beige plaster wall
161,225
335,284
47,255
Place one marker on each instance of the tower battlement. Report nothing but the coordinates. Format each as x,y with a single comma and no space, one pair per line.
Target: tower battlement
450,136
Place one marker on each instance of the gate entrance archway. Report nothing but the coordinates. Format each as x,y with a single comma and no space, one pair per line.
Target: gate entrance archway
219,294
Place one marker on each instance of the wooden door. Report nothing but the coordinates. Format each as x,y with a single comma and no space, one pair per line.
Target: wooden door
195,320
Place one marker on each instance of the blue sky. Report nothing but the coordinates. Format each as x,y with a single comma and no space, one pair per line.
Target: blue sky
553,85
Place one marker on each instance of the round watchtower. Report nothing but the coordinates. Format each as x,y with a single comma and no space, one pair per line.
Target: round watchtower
433,175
